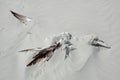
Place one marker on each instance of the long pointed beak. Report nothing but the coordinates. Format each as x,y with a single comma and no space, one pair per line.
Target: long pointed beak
99,43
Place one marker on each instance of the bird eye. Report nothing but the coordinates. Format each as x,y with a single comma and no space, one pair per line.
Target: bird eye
96,39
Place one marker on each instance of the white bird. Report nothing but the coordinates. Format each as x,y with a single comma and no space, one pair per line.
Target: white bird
65,60
63,40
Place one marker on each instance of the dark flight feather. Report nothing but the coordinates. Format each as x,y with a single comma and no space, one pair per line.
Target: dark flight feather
17,15
44,53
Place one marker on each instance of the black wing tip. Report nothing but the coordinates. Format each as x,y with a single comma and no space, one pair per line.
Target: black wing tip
29,65
12,12
33,62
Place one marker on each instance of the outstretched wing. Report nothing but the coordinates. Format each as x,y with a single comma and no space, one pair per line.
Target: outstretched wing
44,53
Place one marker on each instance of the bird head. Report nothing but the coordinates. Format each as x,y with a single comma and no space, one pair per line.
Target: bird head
95,41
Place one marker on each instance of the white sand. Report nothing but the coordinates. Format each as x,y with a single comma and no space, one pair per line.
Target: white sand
52,17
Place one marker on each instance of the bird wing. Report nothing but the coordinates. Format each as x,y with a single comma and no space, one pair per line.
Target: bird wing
44,53
32,49
20,17
26,50
17,15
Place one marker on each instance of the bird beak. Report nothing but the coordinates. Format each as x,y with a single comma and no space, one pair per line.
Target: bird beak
99,43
